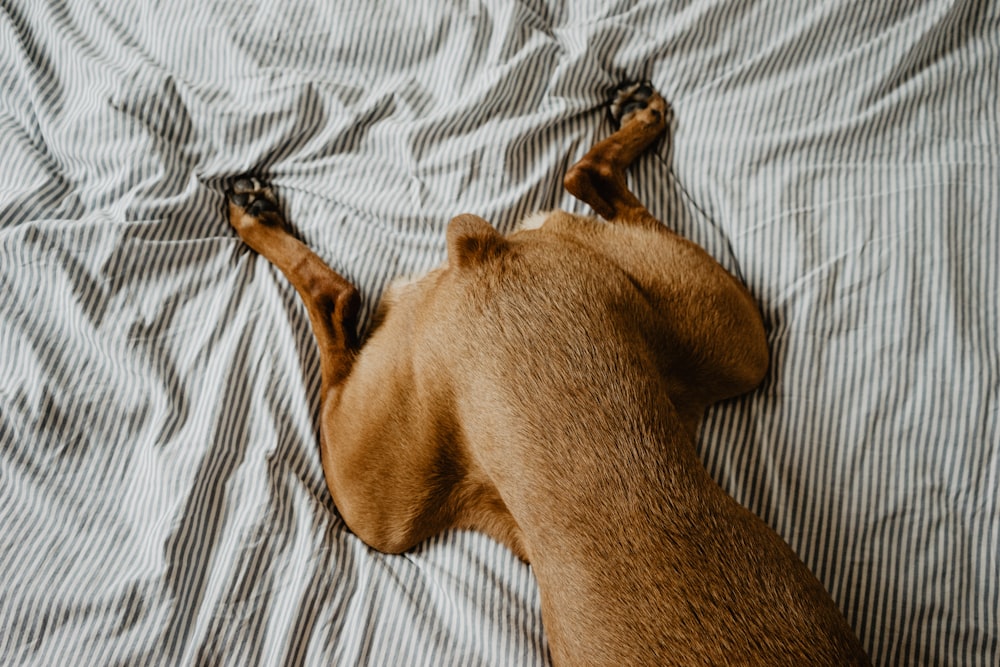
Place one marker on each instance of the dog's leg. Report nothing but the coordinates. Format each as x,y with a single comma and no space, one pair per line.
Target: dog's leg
385,459
721,334
598,179
331,301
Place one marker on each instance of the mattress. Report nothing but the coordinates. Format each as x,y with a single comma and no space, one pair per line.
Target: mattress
161,494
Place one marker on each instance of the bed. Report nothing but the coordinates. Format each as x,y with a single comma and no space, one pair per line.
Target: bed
161,495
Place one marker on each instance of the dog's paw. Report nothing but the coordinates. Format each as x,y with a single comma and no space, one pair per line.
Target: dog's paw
252,196
252,202
633,99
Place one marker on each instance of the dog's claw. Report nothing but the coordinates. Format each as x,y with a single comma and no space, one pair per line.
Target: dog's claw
644,91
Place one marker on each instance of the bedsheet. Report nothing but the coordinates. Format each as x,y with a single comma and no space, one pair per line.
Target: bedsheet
161,495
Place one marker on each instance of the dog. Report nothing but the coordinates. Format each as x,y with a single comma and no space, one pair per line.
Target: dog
545,387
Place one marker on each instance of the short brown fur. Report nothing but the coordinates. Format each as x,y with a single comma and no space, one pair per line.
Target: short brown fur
545,388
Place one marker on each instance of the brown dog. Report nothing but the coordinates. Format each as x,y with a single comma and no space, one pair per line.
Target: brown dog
545,388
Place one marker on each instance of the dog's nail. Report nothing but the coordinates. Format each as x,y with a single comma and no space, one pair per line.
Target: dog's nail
644,90
240,198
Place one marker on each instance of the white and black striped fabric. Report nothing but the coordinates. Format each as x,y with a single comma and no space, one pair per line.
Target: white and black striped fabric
161,495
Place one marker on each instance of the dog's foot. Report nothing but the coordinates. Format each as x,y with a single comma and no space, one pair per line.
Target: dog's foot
636,100
252,203
252,197
254,213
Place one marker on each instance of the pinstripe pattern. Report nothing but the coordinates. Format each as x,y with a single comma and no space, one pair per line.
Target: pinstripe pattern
160,494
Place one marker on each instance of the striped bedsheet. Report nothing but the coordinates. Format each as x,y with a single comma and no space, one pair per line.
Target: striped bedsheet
161,495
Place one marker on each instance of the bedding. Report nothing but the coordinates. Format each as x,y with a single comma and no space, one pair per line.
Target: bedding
161,494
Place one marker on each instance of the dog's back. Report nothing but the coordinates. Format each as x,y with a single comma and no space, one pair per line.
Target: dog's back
641,558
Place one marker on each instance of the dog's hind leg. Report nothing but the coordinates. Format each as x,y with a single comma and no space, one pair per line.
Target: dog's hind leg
598,179
331,301
709,318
